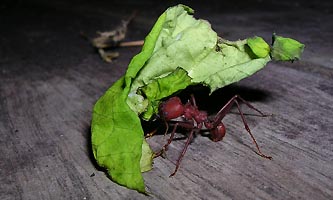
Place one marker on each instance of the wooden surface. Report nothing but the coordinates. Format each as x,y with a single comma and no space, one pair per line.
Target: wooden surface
51,78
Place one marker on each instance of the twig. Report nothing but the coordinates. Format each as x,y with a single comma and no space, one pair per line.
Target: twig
131,43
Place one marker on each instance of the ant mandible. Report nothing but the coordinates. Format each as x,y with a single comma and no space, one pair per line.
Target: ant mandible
195,120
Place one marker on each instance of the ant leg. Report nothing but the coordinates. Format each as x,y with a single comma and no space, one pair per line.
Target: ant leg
251,106
249,131
166,127
165,147
226,108
150,134
190,137
193,102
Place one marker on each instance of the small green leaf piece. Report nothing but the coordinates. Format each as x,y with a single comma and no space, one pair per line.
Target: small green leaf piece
286,49
258,46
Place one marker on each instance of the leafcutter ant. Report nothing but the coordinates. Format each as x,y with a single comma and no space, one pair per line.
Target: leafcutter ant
196,120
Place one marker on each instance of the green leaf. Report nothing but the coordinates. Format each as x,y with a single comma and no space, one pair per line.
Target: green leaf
191,44
117,144
258,46
183,42
286,49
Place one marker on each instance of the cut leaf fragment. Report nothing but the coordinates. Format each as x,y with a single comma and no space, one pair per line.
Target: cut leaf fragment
286,49
259,47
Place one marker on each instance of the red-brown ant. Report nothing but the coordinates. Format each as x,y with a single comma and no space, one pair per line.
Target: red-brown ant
195,120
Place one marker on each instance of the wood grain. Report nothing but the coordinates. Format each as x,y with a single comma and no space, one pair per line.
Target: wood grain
51,78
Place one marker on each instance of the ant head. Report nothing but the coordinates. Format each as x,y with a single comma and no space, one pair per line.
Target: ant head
172,108
218,132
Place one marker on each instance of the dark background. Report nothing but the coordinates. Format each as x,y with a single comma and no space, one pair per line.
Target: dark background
44,32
